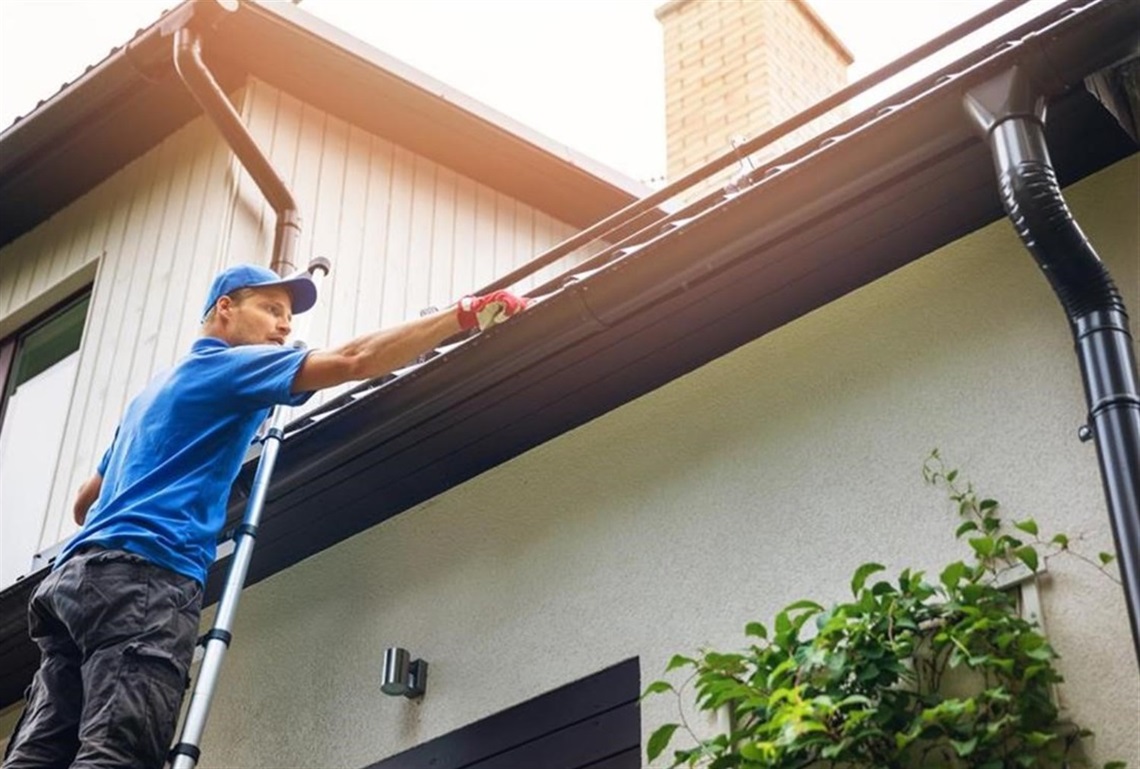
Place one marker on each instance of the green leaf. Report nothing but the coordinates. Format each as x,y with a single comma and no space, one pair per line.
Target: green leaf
965,527
804,604
1106,558
965,747
679,661
861,575
658,687
1028,556
1040,739
1062,540
756,629
987,504
659,740
983,546
950,476
1029,526
952,574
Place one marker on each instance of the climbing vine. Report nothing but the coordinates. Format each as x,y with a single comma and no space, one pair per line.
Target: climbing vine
909,673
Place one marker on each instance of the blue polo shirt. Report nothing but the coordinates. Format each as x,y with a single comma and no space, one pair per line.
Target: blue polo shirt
168,472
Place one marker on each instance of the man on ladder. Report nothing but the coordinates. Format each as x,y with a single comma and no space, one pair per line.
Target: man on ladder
117,618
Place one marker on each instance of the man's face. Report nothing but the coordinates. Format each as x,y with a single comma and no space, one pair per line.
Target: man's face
259,316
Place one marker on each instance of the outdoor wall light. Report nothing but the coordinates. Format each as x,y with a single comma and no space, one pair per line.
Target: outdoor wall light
402,674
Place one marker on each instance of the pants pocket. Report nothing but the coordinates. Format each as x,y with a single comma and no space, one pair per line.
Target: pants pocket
148,699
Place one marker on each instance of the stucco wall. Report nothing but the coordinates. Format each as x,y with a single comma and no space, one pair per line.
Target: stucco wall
765,476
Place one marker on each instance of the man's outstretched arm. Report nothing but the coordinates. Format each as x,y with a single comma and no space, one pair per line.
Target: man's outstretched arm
381,352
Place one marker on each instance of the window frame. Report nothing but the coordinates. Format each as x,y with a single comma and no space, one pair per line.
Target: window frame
11,342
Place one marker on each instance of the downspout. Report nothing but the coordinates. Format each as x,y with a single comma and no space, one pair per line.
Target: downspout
205,90
1010,112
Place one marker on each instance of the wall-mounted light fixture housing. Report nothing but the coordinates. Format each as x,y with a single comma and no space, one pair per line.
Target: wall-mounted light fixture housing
402,674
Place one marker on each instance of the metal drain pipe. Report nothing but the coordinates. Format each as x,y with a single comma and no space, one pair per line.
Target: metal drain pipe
205,90
1011,113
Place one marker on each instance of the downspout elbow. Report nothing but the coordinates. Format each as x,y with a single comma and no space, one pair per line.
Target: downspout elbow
1013,124
214,102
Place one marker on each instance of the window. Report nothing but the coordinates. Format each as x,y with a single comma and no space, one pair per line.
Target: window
37,372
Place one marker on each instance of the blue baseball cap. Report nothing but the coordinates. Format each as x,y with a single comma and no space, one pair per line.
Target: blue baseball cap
301,287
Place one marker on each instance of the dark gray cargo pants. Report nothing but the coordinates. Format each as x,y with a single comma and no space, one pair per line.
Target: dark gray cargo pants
116,636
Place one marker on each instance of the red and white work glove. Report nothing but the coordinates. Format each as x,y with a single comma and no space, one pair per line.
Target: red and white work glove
482,312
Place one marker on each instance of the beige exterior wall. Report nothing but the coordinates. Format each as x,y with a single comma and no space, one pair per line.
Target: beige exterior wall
761,478
736,68
403,233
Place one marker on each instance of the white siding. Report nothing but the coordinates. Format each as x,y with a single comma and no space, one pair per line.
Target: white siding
403,233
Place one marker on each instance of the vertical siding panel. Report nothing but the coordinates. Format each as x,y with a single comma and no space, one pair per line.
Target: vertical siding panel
543,238
202,190
272,118
398,239
137,334
158,257
486,232
56,256
305,179
51,251
14,255
524,240
418,258
18,269
505,234
325,146
347,251
24,284
466,245
334,234
89,225
377,216
441,287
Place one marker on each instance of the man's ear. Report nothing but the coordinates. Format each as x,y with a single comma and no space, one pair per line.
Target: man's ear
224,305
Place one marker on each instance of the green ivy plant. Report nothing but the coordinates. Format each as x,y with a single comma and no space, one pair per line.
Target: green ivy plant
909,673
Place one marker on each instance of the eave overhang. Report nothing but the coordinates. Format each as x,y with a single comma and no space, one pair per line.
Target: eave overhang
75,139
888,187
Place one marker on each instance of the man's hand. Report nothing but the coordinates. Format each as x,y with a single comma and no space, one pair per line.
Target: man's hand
482,312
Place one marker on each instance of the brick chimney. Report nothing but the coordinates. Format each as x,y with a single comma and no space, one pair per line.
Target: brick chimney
735,68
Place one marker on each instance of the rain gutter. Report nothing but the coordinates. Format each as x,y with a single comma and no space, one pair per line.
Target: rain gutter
1010,112
205,89
661,268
